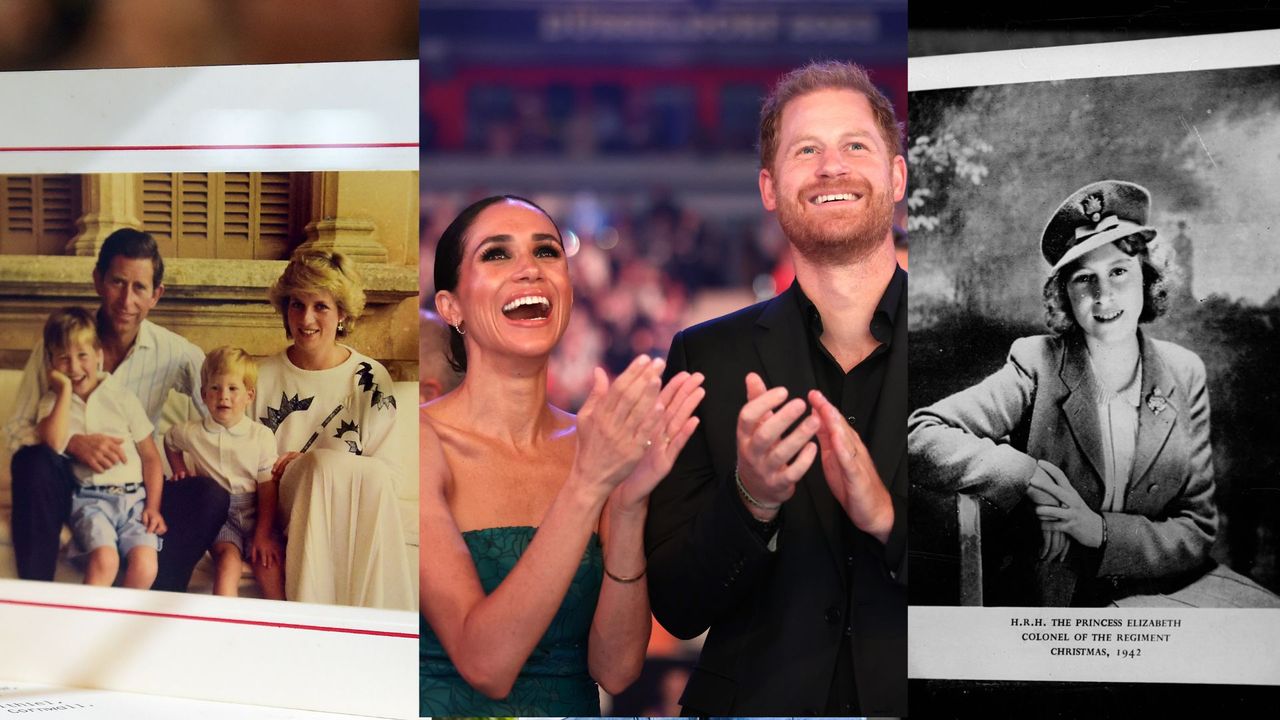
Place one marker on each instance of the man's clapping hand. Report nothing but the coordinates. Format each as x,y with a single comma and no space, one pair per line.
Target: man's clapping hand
770,460
850,473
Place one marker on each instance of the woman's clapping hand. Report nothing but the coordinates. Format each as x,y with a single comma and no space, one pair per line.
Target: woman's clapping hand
679,398
617,423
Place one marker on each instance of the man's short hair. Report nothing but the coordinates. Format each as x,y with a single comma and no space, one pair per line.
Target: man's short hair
229,360
68,325
825,75
132,244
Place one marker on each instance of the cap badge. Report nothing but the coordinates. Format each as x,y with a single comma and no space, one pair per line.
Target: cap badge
1092,206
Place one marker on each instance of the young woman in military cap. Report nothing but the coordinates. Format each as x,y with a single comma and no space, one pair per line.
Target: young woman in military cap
1094,439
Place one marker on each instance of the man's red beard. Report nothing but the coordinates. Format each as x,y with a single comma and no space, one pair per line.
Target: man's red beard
828,242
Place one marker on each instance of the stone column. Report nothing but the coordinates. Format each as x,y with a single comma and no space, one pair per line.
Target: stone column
335,226
110,202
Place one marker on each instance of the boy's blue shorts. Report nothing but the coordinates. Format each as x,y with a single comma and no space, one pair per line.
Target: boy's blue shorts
104,516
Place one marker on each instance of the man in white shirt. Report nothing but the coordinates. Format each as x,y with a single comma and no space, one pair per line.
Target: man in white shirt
149,361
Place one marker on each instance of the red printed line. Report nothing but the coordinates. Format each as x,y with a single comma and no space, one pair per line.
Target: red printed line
299,146
202,618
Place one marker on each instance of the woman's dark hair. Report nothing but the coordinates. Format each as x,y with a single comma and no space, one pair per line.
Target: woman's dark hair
1158,276
449,261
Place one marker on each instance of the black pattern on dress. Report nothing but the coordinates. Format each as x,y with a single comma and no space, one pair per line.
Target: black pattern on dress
275,416
364,375
345,427
382,402
377,399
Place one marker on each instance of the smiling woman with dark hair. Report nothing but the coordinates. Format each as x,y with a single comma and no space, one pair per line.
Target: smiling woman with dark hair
532,564
1095,439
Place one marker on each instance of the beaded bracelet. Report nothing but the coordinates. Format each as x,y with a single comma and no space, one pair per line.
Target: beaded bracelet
747,496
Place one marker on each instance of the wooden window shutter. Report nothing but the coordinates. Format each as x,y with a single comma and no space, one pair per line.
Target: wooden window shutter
159,203
18,219
196,205
278,198
38,213
223,215
235,236
58,207
175,210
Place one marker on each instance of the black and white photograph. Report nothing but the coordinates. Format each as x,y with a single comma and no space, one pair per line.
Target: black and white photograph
1094,324
1098,299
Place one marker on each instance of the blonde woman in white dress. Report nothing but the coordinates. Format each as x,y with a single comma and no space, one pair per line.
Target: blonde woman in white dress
332,410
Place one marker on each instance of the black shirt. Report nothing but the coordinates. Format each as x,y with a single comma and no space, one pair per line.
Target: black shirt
855,393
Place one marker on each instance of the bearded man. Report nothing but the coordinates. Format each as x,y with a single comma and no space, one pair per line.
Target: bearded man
782,526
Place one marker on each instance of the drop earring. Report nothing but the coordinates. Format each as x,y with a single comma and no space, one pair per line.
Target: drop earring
458,326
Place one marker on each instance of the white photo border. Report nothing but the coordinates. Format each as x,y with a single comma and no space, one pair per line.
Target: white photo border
299,117
315,116
1069,62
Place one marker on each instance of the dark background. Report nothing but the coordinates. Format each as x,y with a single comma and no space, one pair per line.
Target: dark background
941,28
80,34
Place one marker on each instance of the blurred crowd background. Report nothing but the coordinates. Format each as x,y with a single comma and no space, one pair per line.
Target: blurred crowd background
634,124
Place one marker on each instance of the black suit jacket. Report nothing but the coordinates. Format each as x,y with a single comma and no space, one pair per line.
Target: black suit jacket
776,618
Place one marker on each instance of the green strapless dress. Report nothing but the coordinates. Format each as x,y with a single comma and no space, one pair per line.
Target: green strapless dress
554,680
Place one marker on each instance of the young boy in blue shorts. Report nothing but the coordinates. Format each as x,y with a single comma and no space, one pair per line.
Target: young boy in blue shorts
115,512
238,453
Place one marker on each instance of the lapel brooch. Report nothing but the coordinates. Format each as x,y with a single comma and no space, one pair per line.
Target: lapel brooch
1157,401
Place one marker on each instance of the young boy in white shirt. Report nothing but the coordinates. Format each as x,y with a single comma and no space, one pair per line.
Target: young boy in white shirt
117,511
239,454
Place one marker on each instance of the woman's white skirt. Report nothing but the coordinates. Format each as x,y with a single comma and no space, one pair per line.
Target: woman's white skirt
346,542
